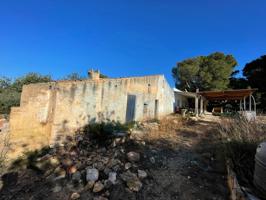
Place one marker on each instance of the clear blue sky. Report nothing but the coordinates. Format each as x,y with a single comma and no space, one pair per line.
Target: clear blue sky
127,37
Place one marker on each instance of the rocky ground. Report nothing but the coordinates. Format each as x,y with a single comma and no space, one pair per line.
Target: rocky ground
170,159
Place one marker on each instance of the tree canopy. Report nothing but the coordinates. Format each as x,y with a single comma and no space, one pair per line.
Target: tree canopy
10,91
77,76
210,72
74,76
238,82
255,72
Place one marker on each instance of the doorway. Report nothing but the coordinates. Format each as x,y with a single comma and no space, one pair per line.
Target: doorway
131,105
156,108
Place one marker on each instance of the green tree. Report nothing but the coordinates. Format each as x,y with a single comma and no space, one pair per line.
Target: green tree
4,82
74,76
10,92
255,72
210,72
30,78
238,82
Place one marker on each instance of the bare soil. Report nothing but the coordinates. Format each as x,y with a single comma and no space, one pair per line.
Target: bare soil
181,157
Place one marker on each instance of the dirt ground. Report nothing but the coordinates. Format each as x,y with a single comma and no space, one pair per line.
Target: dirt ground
181,158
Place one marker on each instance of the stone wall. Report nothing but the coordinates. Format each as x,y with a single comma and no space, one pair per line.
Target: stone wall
50,111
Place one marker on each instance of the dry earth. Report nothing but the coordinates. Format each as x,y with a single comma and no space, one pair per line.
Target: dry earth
181,159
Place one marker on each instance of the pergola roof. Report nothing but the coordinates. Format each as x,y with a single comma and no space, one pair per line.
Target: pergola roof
227,94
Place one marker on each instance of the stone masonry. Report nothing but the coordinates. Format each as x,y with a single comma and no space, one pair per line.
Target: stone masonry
50,111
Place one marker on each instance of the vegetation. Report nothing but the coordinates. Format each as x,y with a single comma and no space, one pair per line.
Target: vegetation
104,132
4,148
240,140
255,72
10,91
204,72
76,76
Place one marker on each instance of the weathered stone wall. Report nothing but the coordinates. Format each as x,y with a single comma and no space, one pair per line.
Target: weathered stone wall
50,111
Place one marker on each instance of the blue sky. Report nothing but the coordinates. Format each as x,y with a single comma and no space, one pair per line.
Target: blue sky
125,38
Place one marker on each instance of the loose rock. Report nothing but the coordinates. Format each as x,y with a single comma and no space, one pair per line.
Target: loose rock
92,174
57,188
142,174
112,177
75,196
132,181
133,156
89,185
98,186
128,165
76,177
152,160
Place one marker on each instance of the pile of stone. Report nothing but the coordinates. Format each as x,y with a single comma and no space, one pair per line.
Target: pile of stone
82,166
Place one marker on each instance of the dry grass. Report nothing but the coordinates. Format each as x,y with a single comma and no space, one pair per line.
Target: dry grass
4,148
240,139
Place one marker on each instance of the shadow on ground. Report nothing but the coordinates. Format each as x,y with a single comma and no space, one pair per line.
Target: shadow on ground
187,165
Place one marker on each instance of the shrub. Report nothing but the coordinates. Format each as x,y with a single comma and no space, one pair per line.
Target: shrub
103,132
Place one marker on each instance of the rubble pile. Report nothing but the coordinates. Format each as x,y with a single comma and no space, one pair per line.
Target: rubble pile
83,167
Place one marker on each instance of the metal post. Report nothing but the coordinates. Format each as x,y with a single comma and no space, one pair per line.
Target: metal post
244,103
201,105
196,106
197,103
250,102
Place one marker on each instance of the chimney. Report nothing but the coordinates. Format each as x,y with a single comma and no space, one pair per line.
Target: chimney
94,74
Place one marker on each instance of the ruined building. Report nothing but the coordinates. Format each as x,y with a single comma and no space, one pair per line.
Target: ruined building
50,111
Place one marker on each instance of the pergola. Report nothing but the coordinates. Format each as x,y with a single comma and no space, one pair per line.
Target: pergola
239,94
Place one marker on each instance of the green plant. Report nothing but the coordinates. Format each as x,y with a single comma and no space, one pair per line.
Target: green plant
104,131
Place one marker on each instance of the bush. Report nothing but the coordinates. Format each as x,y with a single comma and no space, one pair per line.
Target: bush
103,132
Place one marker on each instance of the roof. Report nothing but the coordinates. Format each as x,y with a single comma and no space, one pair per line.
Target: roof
227,94
184,93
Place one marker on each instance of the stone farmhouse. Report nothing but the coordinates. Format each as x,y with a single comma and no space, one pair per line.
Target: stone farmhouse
49,112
